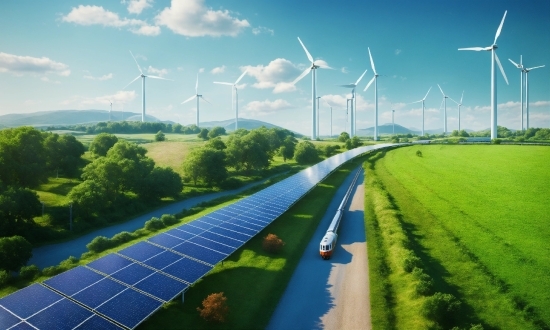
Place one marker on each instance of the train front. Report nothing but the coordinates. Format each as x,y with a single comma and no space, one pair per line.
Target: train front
327,245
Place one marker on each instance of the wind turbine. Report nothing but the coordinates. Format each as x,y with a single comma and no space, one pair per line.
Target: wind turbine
444,111
110,110
353,104
459,105
375,80
494,58
197,96
423,107
330,106
314,65
527,91
235,98
521,73
142,86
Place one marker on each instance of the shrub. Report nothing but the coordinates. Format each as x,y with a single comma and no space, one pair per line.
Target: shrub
411,261
214,308
99,244
68,263
272,243
231,183
52,271
425,283
121,238
160,136
442,308
5,277
495,141
154,224
419,153
168,220
29,272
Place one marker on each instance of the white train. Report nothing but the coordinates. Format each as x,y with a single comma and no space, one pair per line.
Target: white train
328,243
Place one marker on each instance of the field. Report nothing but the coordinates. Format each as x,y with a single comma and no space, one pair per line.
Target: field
477,217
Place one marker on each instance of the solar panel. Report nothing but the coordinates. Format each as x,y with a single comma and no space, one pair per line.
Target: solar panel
96,322
7,319
239,229
183,235
248,223
132,274
141,251
211,220
201,224
73,280
200,253
99,293
64,314
165,240
188,270
230,233
219,216
29,300
222,239
162,260
161,286
23,326
212,245
191,229
109,263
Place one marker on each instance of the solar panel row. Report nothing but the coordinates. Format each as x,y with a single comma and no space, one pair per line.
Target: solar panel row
124,288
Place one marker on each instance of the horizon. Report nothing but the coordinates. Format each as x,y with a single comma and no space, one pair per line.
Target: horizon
55,58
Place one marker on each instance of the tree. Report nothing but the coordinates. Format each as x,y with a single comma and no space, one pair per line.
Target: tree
207,165
160,136
216,143
251,151
63,153
18,207
288,147
15,251
178,129
161,182
90,197
272,243
203,134
214,308
306,153
356,142
216,131
344,136
102,143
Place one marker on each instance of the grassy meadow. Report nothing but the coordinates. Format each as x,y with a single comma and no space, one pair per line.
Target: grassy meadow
477,217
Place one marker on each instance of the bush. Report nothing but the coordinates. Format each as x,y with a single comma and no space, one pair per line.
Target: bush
160,136
419,153
99,244
231,183
272,243
154,224
411,261
495,141
52,271
5,277
305,153
425,283
442,308
121,238
214,308
168,220
29,272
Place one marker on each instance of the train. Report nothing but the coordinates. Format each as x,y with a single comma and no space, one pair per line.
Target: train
328,243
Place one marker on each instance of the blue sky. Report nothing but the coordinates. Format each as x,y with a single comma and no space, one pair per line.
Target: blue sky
75,55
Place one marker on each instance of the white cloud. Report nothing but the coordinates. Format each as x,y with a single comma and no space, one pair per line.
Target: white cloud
267,107
192,18
137,6
104,77
397,51
218,70
141,57
201,70
276,75
262,29
159,72
344,70
48,80
97,15
120,97
19,65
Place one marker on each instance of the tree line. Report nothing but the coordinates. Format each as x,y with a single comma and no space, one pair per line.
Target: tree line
129,127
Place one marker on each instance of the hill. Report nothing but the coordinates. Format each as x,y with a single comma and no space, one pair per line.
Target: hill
248,124
385,129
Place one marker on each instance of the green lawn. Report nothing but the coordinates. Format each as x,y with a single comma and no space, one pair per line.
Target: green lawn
477,216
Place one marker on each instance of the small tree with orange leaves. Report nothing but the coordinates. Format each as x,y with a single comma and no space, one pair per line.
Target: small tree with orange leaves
272,243
214,308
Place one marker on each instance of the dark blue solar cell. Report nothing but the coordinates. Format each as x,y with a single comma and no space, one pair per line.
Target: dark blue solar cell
141,251
97,322
200,253
227,213
99,293
201,224
161,286
219,216
269,212
168,241
162,260
230,233
257,217
210,220
23,326
29,300
190,229
212,245
183,235
109,264
74,280
249,223
187,270
64,314
7,319
241,206
222,239
132,274
236,208
130,308
239,229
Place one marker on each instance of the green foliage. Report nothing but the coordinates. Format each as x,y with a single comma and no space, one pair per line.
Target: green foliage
306,153
154,224
29,272
15,251
63,153
329,150
203,134
168,220
121,238
411,261
18,207
344,136
160,136
205,164
425,283
418,153
161,182
99,244
216,143
442,308
216,131
356,142
288,147
5,277
102,143
496,141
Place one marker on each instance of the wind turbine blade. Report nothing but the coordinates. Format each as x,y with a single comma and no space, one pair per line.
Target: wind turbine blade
321,65
453,101
241,77
372,62
139,68
427,94
501,69
358,80
514,63
441,105
370,83
309,57
348,86
223,83
477,49
500,28
416,102
461,97
327,102
440,89
132,81
536,67
205,100
197,85
155,77
301,76
189,99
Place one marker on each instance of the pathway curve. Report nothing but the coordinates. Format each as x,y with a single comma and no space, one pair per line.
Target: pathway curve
331,294
53,254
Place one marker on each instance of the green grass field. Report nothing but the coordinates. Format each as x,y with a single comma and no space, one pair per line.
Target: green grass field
477,216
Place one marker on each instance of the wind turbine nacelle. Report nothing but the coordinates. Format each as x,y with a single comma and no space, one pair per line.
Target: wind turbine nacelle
493,47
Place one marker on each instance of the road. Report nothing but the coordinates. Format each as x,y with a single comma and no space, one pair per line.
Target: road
53,254
331,294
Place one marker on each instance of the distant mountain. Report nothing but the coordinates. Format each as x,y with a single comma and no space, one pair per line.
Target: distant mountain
385,129
248,124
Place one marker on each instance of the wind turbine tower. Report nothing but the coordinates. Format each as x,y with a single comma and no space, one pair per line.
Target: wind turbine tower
196,96
527,91
494,58
375,80
142,86
110,110
424,99
353,127
234,96
314,66
459,105
521,73
444,111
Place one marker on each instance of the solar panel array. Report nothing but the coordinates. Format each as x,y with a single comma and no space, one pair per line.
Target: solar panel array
122,289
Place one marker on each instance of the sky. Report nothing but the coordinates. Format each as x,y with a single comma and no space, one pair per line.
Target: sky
75,55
